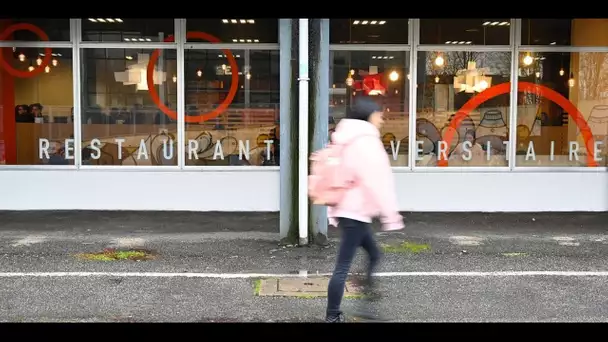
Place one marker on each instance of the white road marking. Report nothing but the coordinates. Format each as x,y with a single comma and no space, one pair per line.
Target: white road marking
466,240
566,241
278,275
563,238
28,240
128,242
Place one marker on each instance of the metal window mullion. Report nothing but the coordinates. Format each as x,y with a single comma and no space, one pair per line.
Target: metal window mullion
369,47
130,168
562,169
75,33
180,38
462,169
120,45
555,48
38,44
35,167
459,48
231,46
515,41
413,39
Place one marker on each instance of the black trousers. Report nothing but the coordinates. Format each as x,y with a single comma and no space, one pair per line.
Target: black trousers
355,234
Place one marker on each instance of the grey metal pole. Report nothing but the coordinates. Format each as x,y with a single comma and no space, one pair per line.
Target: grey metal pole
321,122
285,171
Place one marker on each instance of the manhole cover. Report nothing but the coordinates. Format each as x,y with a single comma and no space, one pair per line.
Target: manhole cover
302,287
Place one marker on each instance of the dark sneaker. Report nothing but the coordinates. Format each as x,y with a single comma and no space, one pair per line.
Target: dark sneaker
368,315
337,319
368,307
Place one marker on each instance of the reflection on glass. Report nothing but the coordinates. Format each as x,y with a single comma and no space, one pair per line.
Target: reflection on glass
443,92
126,120
130,30
564,32
465,31
25,29
232,108
230,30
368,31
383,75
547,133
36,107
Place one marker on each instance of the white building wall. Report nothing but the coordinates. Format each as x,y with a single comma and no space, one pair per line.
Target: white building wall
259,190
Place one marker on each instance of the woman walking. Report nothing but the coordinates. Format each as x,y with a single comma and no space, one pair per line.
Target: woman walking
371,193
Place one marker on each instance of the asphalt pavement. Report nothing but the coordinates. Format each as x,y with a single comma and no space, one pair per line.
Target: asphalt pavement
196,254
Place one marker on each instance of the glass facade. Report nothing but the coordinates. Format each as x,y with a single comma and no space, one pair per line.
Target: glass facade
495,94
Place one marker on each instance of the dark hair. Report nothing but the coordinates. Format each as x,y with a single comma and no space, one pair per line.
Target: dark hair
363,108
470,132
36,105
24,107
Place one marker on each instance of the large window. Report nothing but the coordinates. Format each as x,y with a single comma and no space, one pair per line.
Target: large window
369,31
465,31
36,106
382,75
564,32
232,107
36,29
126,118
468,113
562,101
451,101
130,30
230,30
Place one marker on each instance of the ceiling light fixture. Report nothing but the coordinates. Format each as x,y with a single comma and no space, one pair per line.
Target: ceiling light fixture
52,54
138,39
383,57
371,22
459,42
106,20
571,80
496,23
245,40
439,61
393,76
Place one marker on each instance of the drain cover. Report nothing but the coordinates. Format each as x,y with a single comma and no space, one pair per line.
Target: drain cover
302,287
